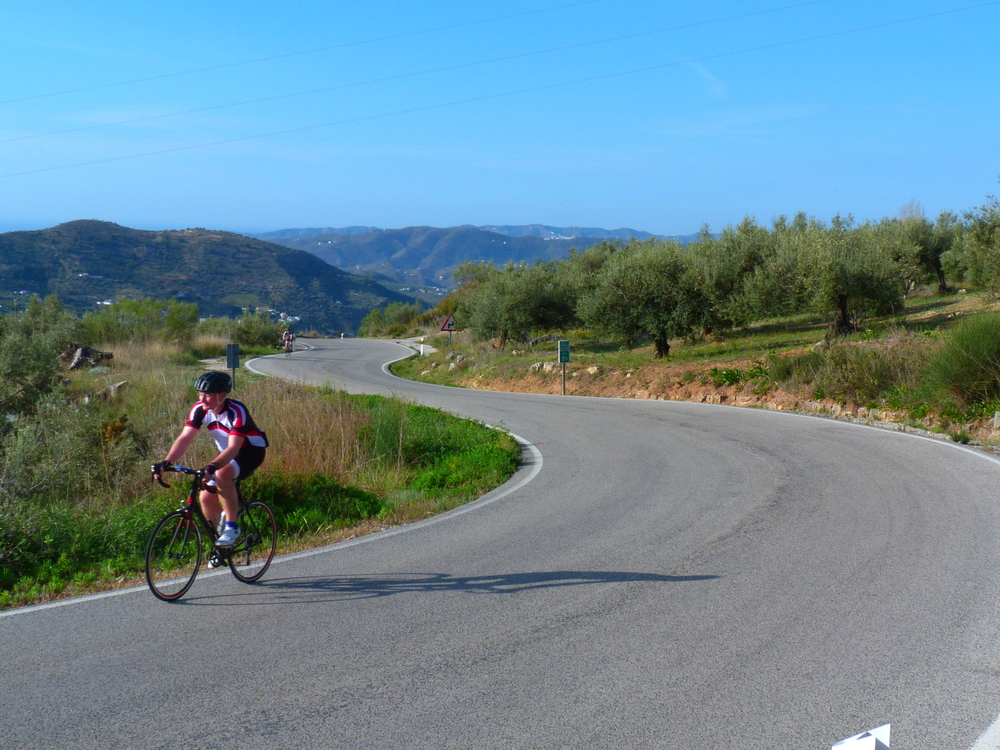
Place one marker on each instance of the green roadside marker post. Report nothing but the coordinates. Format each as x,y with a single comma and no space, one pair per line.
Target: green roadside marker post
564,358
233,359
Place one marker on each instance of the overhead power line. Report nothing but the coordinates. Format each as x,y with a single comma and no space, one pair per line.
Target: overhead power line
518,92
298,53
431,71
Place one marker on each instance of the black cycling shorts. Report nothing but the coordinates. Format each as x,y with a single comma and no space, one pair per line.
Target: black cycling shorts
246,461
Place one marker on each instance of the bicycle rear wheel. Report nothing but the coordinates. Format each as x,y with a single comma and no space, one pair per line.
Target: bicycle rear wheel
255,546
173,556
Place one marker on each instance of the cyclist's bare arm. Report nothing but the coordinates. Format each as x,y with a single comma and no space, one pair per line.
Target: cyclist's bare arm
182,443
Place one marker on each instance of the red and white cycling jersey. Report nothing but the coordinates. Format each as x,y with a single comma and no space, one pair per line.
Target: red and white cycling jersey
233,418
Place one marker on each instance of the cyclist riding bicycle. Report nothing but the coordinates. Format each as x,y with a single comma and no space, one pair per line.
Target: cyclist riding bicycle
242,447
288,338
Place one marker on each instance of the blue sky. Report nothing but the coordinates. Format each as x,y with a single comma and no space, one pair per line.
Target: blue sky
657,116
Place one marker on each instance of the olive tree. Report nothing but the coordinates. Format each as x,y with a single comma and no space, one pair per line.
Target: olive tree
843,270
513,302
856,271
721,269
974,255
928,242
645,289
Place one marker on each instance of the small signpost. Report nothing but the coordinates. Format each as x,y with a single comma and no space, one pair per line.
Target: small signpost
233,359
449,326
564,358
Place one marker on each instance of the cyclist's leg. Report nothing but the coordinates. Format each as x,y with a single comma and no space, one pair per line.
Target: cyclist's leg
211,506
241,467
225,484
254,549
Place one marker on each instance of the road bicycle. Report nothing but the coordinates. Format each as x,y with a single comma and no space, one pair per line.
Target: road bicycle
185,535
289,346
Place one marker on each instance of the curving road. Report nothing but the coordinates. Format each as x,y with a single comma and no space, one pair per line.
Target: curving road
673,576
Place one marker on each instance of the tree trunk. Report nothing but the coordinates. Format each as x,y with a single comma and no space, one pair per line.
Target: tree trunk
942,283
842,323
662,348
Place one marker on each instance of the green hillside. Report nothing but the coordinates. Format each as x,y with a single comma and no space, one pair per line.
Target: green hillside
428,255
89,262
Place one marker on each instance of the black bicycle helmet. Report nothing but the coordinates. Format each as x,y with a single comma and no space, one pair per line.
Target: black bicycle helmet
214,382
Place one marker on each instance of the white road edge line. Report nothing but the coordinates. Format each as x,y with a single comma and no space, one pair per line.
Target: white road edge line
500,492
486,499
988,740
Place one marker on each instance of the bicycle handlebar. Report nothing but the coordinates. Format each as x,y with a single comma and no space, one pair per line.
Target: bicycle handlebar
179,469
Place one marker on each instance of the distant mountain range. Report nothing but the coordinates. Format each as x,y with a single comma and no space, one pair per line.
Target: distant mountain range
568,233
510,230
89,262
331,278
287,234
420,260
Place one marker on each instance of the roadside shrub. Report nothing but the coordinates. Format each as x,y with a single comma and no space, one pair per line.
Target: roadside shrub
720,376
68,453
397,319
48,546
795,371
311,433
870,370
207,346
221,327
483,465
211,337
141,320
867,371
966,367
30,344
256,330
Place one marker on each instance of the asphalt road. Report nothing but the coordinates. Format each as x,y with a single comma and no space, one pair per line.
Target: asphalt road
673,576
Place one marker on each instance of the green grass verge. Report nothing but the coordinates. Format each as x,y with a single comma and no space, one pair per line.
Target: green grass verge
435,461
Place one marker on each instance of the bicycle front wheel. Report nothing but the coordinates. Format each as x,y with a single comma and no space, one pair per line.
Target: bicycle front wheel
173,556
256,543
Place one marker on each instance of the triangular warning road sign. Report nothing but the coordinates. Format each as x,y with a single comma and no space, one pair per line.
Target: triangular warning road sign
449,323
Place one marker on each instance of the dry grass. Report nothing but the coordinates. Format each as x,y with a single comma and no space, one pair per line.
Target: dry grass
211,344
309,433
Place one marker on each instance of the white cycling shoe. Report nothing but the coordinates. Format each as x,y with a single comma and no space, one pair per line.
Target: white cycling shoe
228,536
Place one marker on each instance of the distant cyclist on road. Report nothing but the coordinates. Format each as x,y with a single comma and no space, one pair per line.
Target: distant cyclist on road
288,338
242,447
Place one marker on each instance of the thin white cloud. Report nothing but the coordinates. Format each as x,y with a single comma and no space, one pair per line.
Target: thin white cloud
746,121
713,85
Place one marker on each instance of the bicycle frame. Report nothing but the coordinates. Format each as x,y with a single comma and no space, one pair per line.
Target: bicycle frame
172,562
192,504
191,508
